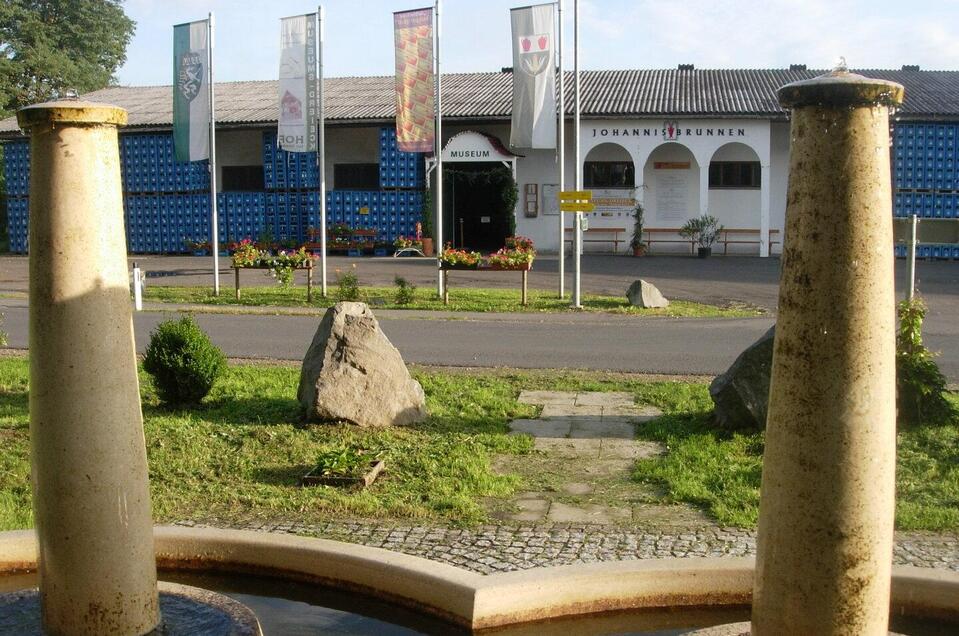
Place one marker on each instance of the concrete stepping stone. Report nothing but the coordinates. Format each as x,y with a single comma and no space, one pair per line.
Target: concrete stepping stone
587,513
547,397
541,428
600,398
592,429
577,489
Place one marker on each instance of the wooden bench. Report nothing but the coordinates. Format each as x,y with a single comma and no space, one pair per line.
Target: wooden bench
727,236
745,237
666,235
590,234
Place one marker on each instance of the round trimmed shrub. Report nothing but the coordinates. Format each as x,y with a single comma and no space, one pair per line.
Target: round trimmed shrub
183,362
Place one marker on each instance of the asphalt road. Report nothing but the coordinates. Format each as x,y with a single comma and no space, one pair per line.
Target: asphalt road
594,341
619,343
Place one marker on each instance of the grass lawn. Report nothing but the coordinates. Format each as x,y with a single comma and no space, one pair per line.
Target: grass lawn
239,456
461,299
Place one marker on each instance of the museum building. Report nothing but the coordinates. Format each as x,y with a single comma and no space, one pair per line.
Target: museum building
682,142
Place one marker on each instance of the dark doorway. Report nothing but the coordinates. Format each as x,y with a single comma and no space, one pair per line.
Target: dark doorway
482,213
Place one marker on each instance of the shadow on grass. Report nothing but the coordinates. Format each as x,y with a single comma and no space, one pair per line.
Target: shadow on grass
15,402
281,475
226,410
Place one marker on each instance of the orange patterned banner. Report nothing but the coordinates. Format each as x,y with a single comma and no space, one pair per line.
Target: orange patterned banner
415,89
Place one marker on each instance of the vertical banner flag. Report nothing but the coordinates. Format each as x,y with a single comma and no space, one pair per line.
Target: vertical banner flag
415,92
534,98
299,100
191,93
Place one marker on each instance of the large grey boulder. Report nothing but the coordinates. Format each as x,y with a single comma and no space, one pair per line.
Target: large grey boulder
353,373
741,394
643,294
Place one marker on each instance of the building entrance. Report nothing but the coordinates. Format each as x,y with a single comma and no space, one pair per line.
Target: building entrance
481,205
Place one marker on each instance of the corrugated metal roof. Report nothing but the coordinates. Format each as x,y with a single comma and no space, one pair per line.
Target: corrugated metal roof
626,93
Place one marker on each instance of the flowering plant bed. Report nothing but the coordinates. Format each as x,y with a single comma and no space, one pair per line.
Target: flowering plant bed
280,265
516,256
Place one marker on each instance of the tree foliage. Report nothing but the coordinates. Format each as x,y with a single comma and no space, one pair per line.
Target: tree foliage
50,46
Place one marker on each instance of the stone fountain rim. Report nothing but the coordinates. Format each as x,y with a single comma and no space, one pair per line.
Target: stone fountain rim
482,601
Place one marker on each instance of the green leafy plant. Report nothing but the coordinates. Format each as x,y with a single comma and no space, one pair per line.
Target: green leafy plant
183,362
347,285
704,230
920,385
426,215
3,334
342,461
638,223
405,291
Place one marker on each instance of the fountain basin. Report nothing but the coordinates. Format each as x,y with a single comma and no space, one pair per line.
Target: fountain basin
480,602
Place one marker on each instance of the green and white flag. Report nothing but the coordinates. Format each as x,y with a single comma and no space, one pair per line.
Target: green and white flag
191,91
299,99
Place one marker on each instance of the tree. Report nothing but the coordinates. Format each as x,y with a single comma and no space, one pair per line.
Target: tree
50,46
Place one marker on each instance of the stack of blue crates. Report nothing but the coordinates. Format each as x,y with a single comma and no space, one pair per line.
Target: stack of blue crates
398,169
16,157
925,166
292,203
926,170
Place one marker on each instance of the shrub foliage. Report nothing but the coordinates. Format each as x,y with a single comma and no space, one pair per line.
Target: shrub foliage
183,362
920,385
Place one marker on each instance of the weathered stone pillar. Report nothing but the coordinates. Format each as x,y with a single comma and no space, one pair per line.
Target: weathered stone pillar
91,498
826,513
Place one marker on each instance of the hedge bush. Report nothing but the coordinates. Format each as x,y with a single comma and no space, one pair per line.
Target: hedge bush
183,362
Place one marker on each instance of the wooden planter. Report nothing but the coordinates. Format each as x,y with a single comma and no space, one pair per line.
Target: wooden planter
373,470
446,269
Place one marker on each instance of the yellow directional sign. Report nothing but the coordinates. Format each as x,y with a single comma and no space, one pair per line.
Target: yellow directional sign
576,195
577,207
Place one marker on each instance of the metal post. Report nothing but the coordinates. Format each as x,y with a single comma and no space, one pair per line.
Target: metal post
214,227
440,282
578,228
561,116
321,155
913,223
137,288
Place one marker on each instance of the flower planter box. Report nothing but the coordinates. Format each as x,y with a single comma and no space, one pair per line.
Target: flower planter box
308,266
362,481
354,252
524,269
379,251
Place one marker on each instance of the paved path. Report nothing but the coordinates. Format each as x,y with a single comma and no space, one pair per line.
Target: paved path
505,547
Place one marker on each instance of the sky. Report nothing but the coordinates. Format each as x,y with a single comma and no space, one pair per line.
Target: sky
614,34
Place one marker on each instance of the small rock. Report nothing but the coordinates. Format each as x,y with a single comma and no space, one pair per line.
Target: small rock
353,373
643,294
741,394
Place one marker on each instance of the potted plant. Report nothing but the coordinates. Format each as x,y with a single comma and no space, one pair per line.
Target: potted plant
704,230
639,247
424,229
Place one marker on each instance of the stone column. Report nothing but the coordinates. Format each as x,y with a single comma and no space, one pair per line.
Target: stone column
91,498
826,514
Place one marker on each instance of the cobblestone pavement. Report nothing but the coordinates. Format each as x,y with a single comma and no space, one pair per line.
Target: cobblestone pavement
506,547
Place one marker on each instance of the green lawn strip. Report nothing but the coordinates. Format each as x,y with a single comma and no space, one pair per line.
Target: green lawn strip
461,299
722,471
240,454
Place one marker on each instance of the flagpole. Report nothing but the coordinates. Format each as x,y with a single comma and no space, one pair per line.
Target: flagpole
321,156
578,230
561,116
438,152
214,228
